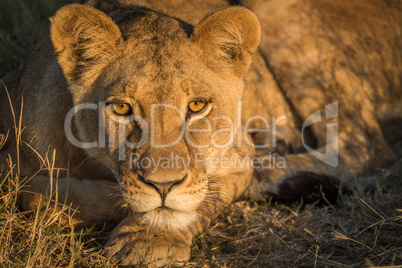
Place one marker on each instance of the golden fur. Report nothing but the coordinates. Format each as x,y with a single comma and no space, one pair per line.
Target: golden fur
313,53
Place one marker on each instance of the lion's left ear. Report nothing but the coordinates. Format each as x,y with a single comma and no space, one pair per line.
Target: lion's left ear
228,37
85,39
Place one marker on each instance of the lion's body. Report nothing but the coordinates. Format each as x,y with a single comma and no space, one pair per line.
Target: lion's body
313,54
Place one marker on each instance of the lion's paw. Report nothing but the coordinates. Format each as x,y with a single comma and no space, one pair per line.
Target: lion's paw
133,245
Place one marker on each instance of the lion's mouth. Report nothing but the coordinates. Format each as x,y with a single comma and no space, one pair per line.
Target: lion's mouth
164,208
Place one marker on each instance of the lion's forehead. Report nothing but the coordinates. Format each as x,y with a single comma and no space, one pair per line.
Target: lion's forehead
141,24
156,46
159,81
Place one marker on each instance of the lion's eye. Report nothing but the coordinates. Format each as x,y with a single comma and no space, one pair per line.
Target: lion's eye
120,108
197,106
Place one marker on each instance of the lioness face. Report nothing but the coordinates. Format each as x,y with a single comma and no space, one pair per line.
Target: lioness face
159,141
167,104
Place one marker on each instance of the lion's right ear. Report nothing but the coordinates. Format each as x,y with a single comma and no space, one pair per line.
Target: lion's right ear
228,37
85,39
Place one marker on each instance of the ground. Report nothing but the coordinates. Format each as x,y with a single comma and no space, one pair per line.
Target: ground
363,230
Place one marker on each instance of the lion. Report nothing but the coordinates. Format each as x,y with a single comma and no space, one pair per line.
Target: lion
156,116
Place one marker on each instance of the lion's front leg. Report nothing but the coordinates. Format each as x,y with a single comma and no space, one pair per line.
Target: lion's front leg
133,243
93,201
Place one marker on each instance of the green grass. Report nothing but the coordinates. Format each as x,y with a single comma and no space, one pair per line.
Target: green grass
364,230
22,24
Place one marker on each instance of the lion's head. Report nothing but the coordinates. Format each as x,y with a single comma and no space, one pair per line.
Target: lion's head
156,98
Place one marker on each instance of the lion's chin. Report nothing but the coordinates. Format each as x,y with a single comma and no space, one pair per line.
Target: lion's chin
165,218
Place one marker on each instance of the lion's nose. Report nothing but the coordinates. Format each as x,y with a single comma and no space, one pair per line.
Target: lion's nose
163,188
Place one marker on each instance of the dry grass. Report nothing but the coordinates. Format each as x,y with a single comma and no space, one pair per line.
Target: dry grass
44,237
41,238
364,230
